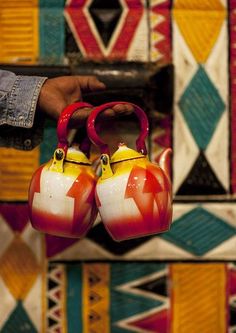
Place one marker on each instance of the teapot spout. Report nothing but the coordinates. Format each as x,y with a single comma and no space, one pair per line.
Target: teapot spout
164,160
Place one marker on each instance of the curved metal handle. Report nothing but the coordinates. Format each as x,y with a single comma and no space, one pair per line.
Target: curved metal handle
62,126
143,120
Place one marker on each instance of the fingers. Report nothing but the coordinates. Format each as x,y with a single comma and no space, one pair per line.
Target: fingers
79,118
123,108
90,83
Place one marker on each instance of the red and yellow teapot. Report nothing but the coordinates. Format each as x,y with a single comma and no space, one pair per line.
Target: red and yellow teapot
133,195
61,193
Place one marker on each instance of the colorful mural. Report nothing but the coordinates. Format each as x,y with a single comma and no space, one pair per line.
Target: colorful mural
176,282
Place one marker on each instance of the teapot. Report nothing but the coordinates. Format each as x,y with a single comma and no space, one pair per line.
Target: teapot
133,195
61,192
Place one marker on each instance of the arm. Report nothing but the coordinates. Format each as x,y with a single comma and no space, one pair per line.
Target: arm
20,128
25,100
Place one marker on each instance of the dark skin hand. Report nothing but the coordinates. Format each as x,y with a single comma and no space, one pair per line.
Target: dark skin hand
57,93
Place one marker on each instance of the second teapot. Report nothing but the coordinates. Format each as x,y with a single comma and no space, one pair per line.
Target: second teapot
133,195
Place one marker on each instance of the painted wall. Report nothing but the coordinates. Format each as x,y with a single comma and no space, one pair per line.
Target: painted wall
183,280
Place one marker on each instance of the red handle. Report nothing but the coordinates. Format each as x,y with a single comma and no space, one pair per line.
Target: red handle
62,126
144,125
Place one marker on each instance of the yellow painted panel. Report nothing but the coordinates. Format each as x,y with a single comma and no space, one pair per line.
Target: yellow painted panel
200,29
16,169
19,268
19,34
199,4
18,4
96,298
198,297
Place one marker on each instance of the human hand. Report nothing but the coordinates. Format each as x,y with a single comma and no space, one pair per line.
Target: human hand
57,93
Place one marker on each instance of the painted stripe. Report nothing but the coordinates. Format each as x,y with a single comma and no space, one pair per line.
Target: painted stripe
198,297
74,298
96,298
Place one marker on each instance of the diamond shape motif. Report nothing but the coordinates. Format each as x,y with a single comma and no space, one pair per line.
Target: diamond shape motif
202,107
199,231
101,19
19,268
106,17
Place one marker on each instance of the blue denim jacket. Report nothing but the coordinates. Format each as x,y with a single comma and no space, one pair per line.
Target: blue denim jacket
20,126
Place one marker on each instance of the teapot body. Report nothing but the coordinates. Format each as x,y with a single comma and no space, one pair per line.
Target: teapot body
136,200
62,203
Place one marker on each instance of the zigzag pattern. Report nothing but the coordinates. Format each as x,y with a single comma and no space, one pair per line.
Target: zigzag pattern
142,293
55,320
160,32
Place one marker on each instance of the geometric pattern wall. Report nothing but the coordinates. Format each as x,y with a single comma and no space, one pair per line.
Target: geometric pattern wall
200,231
181,281
132,297
116,30
232,68
201,107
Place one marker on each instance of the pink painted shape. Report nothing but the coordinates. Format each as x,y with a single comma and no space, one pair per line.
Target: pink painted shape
232,282
16,215
156,323
56,245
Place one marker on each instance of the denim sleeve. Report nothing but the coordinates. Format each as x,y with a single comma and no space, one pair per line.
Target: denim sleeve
20,126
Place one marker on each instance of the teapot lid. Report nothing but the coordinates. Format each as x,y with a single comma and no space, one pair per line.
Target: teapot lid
75,155
124,153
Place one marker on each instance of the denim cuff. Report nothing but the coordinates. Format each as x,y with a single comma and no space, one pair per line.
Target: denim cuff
22,101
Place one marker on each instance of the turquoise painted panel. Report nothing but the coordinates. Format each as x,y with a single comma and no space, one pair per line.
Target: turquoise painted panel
74,298
202,107
52,3
199,231
52,35
49,143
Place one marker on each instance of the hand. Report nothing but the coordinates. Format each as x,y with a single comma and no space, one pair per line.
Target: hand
60,92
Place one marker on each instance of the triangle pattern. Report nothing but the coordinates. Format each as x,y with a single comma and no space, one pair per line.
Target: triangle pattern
105,19
200,30
16,216
99,235
55,245
201,180
93,279
94,316
54,302
232,316
94,297
156,322
157,286
19,321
